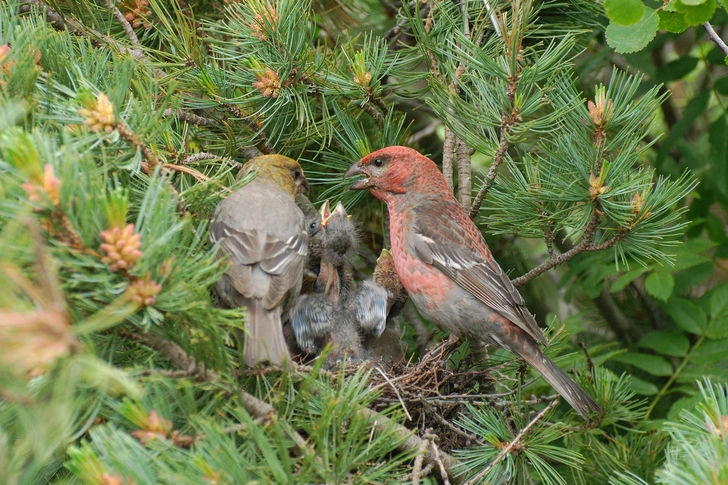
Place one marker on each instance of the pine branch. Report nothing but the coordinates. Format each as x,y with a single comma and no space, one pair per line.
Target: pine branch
513,443
498,158
190,117
263,143
124,24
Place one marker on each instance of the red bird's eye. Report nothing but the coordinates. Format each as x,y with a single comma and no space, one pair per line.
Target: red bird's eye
378,162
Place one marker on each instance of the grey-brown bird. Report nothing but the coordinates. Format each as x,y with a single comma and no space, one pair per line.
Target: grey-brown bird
262,234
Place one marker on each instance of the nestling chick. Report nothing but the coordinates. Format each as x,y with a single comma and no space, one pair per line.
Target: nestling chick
262,235
385,275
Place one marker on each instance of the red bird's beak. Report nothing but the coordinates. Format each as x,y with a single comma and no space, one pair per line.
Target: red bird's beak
361,184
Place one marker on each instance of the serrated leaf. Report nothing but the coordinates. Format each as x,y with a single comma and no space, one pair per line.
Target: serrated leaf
673,22
660,284
696,14
627,278
642,387
624,12
687,315
625,39
652,364
674,344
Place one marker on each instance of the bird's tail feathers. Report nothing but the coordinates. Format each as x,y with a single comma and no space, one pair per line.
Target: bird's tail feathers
264,340
569,390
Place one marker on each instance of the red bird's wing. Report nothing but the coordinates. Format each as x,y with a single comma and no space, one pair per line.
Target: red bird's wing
463,256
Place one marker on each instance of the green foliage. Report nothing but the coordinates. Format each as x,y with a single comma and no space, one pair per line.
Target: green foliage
103,130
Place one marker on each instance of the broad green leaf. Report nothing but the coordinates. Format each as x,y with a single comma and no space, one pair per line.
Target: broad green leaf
721,85
687,315
695,108
718,137
676,69
634,37
642,387
673,22
660,284
696,13
686,279
717,306
627,278
674,344
624,12
652,364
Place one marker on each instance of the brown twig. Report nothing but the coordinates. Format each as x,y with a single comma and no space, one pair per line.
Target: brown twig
128,135
498,158
448,149
124,25
263,143
513,443
412,443
190,117
373,112
553,261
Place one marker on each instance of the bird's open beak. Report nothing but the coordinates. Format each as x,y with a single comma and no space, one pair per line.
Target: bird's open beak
339,210
325,213
361,184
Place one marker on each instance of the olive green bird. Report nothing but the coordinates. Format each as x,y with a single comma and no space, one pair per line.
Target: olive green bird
262,234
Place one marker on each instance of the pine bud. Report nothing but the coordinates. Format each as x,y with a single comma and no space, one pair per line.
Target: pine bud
121,247
268,83
144,291
50,185
99,115
264,20
153,428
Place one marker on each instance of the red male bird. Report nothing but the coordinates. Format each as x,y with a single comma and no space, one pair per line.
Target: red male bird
446,267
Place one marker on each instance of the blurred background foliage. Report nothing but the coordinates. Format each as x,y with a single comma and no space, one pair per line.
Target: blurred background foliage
588,140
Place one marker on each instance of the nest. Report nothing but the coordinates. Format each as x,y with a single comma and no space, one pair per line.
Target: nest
434,394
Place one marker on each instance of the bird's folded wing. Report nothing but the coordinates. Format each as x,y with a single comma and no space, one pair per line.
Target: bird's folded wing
445,247
311,319
280,260
370,307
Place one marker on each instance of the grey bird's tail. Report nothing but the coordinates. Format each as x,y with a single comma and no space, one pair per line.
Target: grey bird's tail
569,390
264,340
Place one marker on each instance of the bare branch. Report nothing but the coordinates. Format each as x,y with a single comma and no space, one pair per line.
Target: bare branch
448,149
553,261
715,37
465,183
124,24
498,158
190,117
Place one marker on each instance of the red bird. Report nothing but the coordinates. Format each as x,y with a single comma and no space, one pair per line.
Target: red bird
446,267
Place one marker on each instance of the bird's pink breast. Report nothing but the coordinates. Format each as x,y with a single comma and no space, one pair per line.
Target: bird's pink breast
416,276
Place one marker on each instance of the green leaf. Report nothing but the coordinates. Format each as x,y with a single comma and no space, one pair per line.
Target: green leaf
695,108
627,278
642,387
696,14
718,137
652,364
660,284
717,305
634,37
676,69
721,85
693,2
687,315
624,12
674,344
673,22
